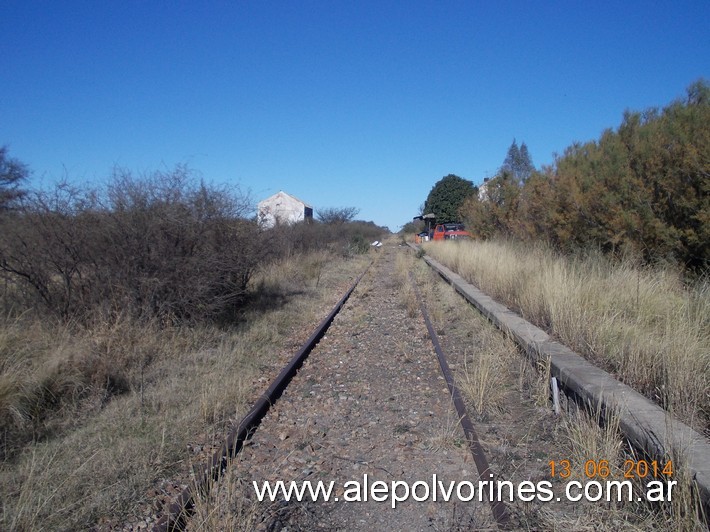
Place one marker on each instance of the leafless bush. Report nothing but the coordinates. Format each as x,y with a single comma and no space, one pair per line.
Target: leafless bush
346,238
337,215
13,174
165,246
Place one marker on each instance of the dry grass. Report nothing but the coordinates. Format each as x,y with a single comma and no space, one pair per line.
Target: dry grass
588,435
450,437
483,379
92,417
408,271
102,453
643,324
582,436
228,507
480,377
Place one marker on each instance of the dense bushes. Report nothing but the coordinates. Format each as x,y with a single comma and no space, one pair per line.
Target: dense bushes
124,268
165,246
644,189
345,239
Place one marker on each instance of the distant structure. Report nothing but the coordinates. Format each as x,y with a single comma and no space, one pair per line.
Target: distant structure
483,190
283,208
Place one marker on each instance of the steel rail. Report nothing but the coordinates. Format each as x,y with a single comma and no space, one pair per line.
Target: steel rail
183,507
500,512
647,427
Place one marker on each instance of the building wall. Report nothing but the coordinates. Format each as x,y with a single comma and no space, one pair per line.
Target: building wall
483,190
282,208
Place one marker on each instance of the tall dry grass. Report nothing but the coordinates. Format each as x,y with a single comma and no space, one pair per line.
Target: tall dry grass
94,415
479,375
588,435
642,323
82,447
579,435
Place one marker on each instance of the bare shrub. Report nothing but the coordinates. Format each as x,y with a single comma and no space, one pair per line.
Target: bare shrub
337,215
164,245
346,238
12,175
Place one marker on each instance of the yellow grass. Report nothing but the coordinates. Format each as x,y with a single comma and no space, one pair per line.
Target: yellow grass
92,417
641,323
579,435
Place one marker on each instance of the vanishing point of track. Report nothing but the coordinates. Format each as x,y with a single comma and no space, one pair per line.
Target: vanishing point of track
176,516
378,420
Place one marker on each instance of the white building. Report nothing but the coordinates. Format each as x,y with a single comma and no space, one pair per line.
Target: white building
283,208
483,190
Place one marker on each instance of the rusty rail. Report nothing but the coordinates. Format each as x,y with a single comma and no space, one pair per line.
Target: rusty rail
647,427
183,507
500,512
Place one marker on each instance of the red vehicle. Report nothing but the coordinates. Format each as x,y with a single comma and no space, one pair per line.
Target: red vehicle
450,231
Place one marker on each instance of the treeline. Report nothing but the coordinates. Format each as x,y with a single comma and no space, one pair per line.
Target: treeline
643,188
165,246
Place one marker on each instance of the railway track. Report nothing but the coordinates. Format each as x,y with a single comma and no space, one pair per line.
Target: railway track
182,508
374,395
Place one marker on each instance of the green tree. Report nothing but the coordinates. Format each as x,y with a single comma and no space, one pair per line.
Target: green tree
534,211
643,188
447,196
12,174
496,213
518,162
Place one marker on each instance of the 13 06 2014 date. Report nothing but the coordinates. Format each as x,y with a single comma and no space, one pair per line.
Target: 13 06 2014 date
631,469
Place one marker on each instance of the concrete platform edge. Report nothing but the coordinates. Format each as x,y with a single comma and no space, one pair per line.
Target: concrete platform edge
645,424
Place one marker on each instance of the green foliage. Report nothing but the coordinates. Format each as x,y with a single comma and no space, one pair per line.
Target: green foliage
358,244
447,196
643,189
497,212
518,162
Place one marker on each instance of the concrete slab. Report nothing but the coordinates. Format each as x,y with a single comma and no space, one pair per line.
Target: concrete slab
646,425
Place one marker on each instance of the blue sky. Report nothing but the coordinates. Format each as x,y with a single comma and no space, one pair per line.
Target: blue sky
340,103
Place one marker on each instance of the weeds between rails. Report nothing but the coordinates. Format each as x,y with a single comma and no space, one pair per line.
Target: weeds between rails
31,510
577,435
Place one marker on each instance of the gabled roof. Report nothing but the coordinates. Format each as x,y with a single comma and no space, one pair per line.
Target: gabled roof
281,192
